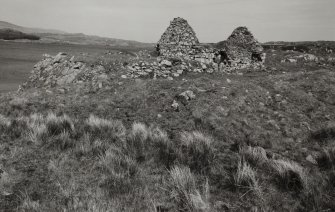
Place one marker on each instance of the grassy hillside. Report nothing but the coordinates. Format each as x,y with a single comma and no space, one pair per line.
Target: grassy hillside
7,25
57,36
79,38
9,34
255,141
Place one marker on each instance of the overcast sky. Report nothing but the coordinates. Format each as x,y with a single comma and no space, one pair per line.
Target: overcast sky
146,20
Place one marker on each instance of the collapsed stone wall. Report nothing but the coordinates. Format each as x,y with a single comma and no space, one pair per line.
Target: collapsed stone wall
62,69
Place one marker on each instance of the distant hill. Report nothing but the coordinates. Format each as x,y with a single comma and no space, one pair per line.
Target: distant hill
57,36
79,38
10,34
7,25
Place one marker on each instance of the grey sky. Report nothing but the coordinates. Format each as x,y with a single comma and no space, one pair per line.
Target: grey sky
146,20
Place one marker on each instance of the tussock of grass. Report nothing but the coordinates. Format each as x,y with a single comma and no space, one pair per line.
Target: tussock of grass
105,129
55,131
62,141
138,142
12,128
196,151
254,155
58,124
289,175
139,132
37,131
324,133
4,122
18,102
184,191
326,159
246,176
166,148
84,146
158,135
121,170
28,204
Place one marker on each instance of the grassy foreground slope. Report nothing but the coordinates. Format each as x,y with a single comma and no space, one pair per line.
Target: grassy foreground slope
252,142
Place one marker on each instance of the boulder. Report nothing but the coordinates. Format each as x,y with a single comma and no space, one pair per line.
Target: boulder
187,95
166,63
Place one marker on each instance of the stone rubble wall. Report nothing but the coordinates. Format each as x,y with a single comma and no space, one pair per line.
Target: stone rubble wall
62,69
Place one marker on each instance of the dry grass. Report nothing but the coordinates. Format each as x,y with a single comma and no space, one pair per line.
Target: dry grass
37,130
18,102
289,175
166,148
139,132
53,131
28,204
110,130
138,141
84,145
254,155
121,170
184,191
4,121
324,133
326,159
246,177
196,151
58,124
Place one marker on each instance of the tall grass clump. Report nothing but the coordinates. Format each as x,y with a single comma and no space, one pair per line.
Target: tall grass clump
62,141
84,145
289,175
254,155
37,131
120,170
4,122
138,142
18,102
166,148
246,177
18,127
104,129
196,151
28,204
326,159
184,192
58,124
324,133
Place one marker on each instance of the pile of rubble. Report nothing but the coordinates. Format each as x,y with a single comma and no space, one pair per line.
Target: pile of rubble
178,39
62,69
